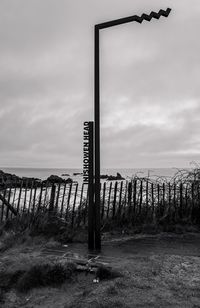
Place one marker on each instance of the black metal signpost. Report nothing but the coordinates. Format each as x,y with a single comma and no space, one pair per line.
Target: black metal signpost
94,223
88,178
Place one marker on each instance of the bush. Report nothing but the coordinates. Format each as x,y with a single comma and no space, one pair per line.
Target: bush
9,240
45,275
9,278
1,296
106,273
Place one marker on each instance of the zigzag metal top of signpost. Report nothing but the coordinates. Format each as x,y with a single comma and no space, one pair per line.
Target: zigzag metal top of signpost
97,28
140,19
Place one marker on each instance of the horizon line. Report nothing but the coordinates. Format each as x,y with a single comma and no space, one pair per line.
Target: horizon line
118,168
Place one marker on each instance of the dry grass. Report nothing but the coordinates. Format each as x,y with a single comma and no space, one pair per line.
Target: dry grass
145,280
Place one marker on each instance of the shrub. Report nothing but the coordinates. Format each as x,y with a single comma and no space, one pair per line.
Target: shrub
106,273
44,275
1,296
10,278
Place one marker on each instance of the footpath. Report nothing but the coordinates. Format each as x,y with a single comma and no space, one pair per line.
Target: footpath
117,248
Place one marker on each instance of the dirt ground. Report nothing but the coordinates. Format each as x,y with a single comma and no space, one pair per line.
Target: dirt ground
160,270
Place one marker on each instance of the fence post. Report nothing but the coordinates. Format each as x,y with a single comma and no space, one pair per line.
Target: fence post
181,200
40,197
175,207
19,197
25,195
57,198
192,208
52,198
34,197
147,198
120,200
30,197
73,209
68,201
198,200
45,195
2,206
86,207
9,195
163,200
80,205
110,189
81,197
186,199
114,200
129,199
103,201
158,210
141,190
62,202
152,198
13,201
169,200
134,200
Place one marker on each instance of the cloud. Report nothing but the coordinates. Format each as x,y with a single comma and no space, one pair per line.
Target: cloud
149,82
148,143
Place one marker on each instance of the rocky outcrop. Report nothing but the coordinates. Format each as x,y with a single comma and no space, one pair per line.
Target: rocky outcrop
104,176
77,173
118,177
57,179
7,179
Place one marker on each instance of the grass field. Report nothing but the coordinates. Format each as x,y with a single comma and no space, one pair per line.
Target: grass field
161,270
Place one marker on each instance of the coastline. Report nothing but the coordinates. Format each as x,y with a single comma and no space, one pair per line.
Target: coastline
44,173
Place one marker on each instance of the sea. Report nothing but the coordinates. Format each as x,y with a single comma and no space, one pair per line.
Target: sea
75,173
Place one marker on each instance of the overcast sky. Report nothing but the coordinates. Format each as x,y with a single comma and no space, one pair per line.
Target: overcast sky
150,75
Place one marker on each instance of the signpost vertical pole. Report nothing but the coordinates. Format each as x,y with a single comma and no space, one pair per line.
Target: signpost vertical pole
97,139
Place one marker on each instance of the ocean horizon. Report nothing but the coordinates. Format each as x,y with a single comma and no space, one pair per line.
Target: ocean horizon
127,173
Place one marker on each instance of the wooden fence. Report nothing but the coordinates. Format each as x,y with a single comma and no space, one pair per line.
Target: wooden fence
137,201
